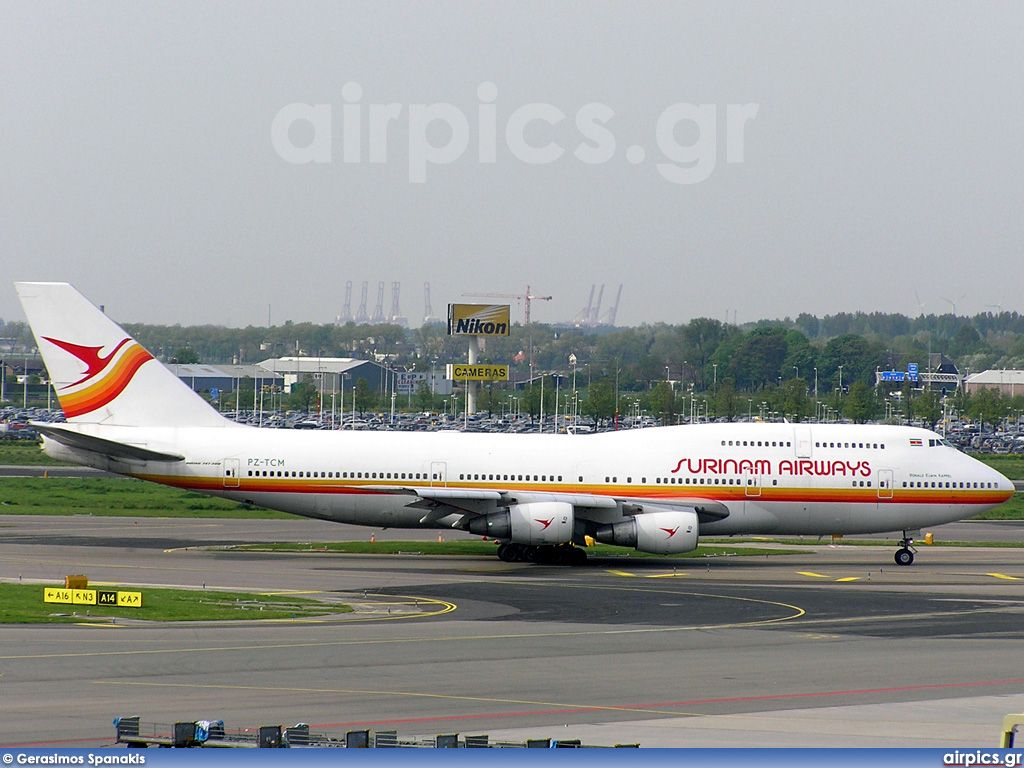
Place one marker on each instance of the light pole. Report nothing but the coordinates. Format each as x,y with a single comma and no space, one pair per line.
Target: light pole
343,377
816,416
617,397
572,362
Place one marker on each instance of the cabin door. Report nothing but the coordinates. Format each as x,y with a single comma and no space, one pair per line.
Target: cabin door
802,442
438,474
229,471
885,483
752,483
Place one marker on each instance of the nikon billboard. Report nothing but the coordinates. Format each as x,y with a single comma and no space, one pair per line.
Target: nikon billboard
478,319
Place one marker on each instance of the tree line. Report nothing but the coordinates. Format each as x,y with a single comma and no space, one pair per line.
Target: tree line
802,368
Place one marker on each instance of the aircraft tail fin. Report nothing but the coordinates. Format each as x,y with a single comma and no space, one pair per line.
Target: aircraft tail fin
101,374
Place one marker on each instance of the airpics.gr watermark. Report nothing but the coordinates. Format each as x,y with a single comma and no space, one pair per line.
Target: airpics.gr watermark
439,134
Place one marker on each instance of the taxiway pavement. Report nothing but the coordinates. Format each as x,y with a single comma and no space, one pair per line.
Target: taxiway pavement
832,646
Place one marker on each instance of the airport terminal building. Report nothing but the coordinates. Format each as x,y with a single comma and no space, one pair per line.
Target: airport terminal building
1008,382
329,374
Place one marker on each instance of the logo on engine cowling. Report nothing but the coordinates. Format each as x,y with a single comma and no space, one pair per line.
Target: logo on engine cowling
545,523
671,531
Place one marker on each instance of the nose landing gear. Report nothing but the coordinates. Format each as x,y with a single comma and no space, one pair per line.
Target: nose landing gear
905,554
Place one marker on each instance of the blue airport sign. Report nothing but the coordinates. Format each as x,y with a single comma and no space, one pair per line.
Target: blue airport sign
910,375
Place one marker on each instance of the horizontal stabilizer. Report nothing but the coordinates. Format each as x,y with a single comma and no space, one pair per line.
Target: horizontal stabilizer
111,448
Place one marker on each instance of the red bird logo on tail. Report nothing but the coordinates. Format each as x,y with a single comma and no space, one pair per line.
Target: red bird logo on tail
106,376
94,362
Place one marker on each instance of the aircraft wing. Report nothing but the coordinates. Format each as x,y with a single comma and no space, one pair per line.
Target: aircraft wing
464,501
707,510
111,448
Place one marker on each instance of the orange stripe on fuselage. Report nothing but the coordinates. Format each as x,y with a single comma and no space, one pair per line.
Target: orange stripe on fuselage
773,494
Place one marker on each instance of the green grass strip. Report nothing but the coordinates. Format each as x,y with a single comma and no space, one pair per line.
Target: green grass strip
26,453
23,604
117,497
484,548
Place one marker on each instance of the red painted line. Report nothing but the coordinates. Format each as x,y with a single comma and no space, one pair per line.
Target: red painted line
35,744
691,702
856,692
611,708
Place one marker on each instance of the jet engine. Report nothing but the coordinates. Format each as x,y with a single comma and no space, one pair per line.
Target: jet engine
666,532
536,523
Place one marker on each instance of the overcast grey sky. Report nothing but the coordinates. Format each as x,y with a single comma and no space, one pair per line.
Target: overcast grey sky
884,160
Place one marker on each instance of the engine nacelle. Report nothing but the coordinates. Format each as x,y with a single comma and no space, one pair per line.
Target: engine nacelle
668,532
541,522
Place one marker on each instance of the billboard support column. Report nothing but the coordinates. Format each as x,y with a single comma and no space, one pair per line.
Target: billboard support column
476,346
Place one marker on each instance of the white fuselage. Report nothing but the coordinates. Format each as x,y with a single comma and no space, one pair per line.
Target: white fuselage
776,478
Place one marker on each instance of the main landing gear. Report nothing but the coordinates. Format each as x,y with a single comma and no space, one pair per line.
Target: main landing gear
905,554
562,554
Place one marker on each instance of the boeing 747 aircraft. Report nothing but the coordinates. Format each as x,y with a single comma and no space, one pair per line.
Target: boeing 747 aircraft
541,496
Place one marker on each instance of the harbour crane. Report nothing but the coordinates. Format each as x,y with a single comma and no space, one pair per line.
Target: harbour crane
528,298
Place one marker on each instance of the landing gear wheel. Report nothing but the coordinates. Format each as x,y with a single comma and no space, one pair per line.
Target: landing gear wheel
508,553
577,556
904,556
